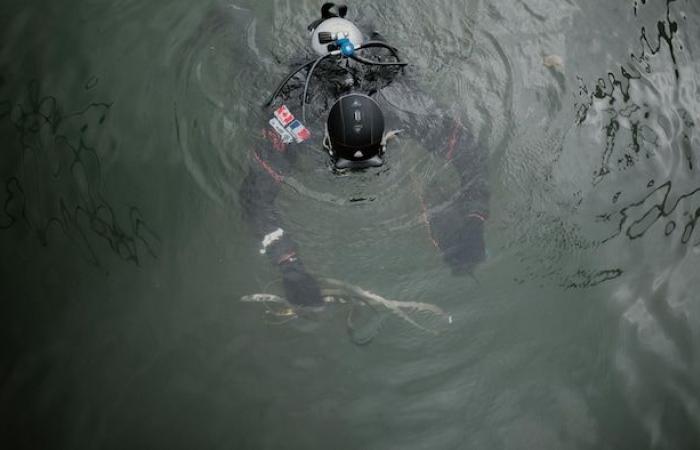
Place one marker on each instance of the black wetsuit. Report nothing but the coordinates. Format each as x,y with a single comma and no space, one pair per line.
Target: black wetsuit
456,231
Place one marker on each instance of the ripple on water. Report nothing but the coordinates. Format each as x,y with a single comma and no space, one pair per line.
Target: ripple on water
229,66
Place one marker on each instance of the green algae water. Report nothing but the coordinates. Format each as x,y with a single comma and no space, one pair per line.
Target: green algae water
126,135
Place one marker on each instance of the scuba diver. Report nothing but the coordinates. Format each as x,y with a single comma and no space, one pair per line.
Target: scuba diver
359,74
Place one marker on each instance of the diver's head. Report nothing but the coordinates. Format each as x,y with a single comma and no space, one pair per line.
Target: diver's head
355,135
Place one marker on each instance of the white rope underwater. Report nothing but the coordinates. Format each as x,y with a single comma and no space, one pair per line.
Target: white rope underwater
342,291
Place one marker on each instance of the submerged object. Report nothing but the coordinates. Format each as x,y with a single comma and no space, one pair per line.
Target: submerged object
377,310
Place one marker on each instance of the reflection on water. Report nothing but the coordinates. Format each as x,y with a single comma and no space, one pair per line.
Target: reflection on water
631,121
640,114
614,93
647,114
634,220
58,180
666,29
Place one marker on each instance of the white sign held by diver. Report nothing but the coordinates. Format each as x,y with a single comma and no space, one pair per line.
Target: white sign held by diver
286,136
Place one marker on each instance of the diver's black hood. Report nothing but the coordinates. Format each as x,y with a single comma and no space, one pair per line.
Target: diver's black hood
356,131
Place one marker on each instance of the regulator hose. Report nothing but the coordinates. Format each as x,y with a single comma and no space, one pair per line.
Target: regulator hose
380,44
284,83
369,62
314,63
308,81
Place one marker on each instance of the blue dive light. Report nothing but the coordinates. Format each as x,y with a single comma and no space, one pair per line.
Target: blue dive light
346,47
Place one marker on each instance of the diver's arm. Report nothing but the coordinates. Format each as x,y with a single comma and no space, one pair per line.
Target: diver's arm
455,144
459,229
270,163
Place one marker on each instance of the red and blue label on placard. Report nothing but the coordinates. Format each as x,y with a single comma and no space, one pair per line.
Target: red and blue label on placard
288,127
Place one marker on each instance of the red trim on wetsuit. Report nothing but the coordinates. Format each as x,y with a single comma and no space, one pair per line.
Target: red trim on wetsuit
427,221
452,142
289,257
270,171
275,139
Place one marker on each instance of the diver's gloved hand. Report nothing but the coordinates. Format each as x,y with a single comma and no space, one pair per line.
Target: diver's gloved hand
300,287
460,237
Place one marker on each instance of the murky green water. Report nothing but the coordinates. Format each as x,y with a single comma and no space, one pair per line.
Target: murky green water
125,132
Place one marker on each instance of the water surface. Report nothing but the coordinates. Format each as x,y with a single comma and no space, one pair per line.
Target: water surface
125,130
